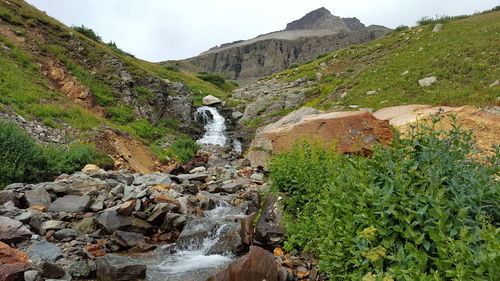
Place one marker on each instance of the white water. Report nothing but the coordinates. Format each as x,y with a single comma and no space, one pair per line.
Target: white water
195,263
214,125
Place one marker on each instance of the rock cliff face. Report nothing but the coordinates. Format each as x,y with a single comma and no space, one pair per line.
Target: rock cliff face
316,33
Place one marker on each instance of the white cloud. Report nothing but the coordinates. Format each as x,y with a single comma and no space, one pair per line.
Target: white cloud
158,30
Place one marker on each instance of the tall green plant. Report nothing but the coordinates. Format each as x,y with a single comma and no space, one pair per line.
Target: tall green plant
424,208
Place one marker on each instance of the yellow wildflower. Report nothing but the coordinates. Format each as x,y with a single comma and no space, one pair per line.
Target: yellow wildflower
388,277
368,233
369,277
374,254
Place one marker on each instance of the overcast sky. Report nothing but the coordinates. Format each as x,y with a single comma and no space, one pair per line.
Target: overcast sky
158,30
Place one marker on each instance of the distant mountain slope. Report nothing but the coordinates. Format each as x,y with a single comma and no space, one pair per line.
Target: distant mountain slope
65,76
463,57
316,33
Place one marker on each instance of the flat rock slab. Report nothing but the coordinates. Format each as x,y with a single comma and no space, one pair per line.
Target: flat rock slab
45,251
152,179
70,204
13,231
405,114
113,267
38,197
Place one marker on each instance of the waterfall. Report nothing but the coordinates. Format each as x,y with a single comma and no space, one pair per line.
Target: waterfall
215,128
214,125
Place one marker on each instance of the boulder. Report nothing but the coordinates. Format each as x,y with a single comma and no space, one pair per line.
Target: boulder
114,268
77,184
38,197
13,231
152,179
65,233
437,27
52,225
406,114
44,251
257,265
10,255
70,204
129,239
352,131
8,196
425,82
211,100
13,271
269,230
229,187
111,221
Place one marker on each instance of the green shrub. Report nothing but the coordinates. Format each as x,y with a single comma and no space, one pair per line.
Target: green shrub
88,32
172,67
423,209
215,79
112,45
439,19
144,129
320,56
121,114
184,150
293,65
401,28
20,158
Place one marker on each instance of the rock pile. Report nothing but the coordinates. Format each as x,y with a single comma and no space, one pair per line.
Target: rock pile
74,227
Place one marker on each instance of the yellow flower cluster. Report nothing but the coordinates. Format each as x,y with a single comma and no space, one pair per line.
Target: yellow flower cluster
388,277
368,233
369,277
374,254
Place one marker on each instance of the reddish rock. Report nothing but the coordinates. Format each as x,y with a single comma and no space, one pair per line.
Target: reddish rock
39,208
13,263
352,131
257,265
126,208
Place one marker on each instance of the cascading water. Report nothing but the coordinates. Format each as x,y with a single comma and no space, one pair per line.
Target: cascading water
215,128
196,259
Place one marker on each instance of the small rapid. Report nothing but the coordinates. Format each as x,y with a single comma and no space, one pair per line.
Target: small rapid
200,251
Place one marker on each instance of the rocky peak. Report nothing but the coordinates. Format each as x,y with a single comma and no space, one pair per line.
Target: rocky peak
323,19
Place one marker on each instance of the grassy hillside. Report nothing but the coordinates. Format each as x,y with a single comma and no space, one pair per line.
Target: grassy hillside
32,43
464,56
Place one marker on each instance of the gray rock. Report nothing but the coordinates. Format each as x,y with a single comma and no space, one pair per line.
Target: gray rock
77,184
257,176
13,231
123,178
427,81
196,177
113,268
32,275
65,233
270,230
52,271
129,239
52,225
229,187
160,210
79,269
437,27
97,206
44,251
211,100
198,170
38,197
85,226
15,186
152,179
405,72
8,196
371,93
236,115
70,204
111,221
496,83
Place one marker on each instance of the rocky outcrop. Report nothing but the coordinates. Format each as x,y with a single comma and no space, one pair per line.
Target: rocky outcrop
316,33
258,264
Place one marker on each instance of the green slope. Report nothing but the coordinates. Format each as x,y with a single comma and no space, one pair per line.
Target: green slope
464,56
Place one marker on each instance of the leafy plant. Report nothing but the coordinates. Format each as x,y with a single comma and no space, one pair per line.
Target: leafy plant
184,150
401,28
424,208
144,129
172,67
88,32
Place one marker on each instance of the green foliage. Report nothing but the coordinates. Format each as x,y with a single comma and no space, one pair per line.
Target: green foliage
293,65
172,67
321,56
112,45
88,32
184,150
401,28
145,130
6,16
22,160
122,114
143,94
439,19
422,209
212,78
